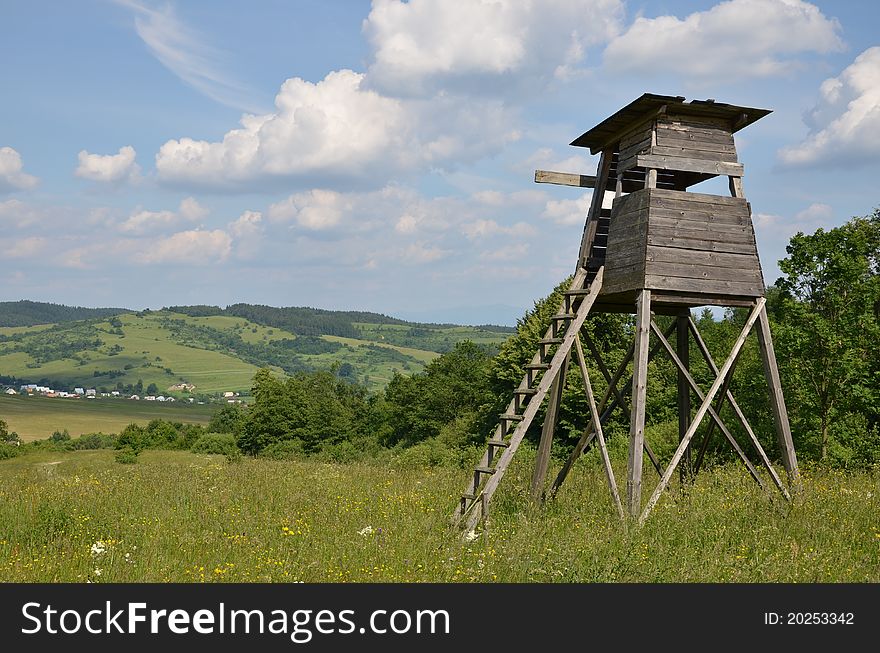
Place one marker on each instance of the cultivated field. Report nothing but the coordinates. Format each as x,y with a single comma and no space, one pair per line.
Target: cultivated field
184,517
36,418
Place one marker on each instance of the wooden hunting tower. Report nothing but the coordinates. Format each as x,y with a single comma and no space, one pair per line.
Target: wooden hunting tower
659,248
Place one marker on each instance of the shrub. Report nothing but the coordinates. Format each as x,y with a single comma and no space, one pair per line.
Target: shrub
127,456
433,452
340,452
132,437
215,443
60,436
8,451
284,450
93,441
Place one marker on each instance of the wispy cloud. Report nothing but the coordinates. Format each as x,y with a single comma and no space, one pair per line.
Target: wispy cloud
185,53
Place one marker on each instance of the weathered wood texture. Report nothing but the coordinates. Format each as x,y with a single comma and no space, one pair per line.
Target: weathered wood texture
682,347
777,401
548,430
564,179
681,143
637,414
591,226
685,242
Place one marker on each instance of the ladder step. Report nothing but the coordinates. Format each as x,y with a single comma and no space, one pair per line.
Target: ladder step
485,470
563,316
512,417
525,391
498,443
468,496
578,291
537,366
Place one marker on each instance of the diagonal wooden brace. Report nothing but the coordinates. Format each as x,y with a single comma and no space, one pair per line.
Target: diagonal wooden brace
707,356
594,413
590,432
713,412
704,407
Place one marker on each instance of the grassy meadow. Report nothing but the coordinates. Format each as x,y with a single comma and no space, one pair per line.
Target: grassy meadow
36,418
178,516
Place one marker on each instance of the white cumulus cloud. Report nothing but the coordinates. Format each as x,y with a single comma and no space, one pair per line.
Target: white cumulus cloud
737,38
337,130
192,247
111,168
481,46
314,210
16,214
568,212
845,123
12,175
485,228
143,222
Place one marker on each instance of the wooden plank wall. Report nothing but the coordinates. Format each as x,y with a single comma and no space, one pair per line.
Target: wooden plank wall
682,242
627,238
694,138
631,145
698,144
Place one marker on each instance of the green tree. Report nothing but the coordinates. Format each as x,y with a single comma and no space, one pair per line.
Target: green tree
453,385
7,436
316,408
152,389
829,338
229,419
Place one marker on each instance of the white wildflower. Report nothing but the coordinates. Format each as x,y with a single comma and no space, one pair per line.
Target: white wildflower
98,548
366,530
470,536
98,572
128,558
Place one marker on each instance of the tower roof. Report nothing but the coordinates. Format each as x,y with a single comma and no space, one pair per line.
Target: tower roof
650,104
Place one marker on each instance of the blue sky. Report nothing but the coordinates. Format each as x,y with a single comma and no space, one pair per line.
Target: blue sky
379,156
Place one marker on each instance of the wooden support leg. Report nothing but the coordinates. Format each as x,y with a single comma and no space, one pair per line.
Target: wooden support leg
637,415
604,413
777,401
551,416
594,414
703,409
707,356
682,347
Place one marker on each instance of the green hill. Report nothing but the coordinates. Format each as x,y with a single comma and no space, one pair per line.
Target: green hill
28,313
219,350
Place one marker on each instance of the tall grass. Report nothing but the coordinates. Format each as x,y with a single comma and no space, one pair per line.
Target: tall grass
178,516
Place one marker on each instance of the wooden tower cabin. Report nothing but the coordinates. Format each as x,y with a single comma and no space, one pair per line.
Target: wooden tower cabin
660,249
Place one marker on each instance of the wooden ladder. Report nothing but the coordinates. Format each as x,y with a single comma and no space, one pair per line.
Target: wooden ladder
545,366
550,360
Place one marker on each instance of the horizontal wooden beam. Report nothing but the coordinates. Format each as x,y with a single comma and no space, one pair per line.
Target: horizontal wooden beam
564,179
686,164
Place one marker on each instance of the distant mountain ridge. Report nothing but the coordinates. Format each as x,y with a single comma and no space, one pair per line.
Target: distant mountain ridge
302,320
27,313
